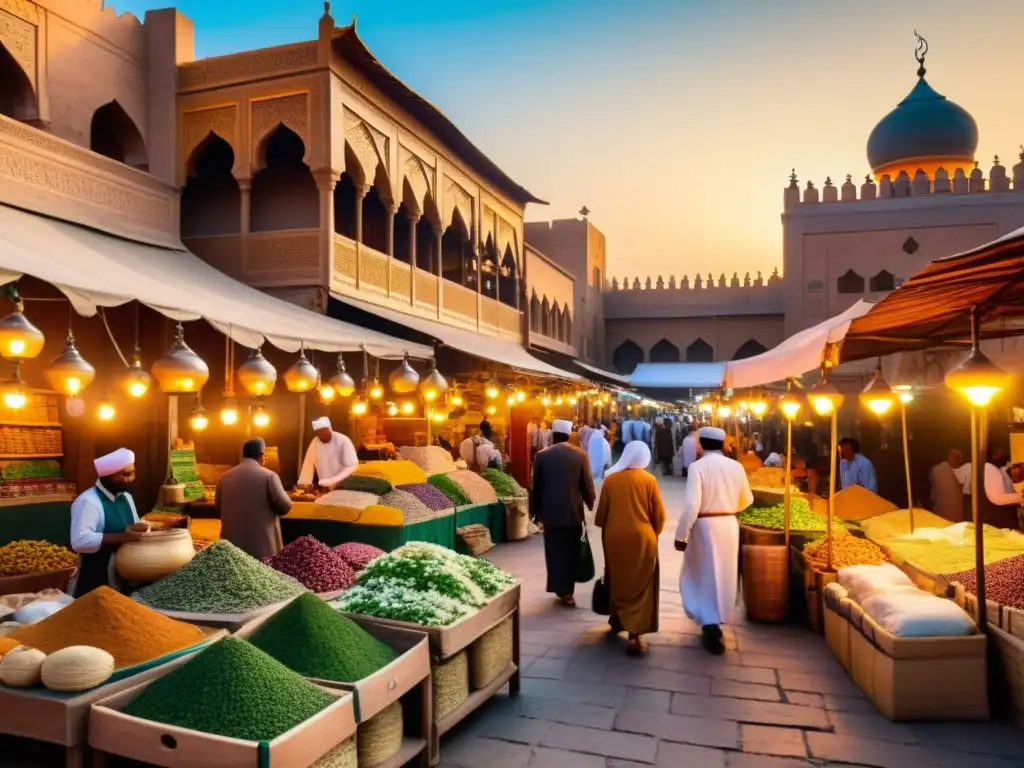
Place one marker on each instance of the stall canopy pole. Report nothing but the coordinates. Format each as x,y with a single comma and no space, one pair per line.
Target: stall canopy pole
979,437
832,488
906,463
789,479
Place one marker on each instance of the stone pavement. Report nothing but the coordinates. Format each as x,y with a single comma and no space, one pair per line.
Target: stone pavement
777,699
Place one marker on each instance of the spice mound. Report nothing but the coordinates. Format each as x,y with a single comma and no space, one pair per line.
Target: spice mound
475,487
413,510
503,483
429,496
312,638
231,689
131,633
28,556
801,518
220,579
847,551
314,565
451,489
358,555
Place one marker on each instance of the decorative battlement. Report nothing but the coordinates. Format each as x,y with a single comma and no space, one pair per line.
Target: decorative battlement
903,186
699,283
701,298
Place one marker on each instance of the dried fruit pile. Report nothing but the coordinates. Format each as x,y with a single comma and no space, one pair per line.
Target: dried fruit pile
28,556
314,565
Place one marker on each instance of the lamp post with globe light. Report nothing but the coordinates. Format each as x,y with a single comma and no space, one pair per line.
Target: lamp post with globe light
790,405
826,400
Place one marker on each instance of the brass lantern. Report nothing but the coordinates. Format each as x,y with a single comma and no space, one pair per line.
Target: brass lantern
135,380
256,375
19,339
404,379
302,376
69,373
341,382
180,370
434,385
13,393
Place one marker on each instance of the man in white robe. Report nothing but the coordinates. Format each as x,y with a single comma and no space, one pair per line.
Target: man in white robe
600,452
331,455
717,490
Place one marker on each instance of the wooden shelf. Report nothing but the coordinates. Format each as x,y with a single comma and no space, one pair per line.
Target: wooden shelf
50,424
476,698
45,498
29,456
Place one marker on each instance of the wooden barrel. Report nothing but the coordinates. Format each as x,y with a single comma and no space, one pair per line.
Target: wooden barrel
766,583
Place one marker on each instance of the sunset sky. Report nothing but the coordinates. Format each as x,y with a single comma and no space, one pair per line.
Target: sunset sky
675,121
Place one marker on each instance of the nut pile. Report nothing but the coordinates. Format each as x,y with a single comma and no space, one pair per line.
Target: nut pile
28,556
313,564
1004,581
847,551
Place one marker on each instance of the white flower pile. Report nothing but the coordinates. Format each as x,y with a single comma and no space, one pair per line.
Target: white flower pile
424,584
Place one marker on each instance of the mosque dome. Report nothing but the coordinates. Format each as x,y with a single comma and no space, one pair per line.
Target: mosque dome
926,130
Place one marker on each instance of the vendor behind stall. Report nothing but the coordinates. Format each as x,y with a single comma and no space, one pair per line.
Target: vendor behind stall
102,519
331,455
1000,503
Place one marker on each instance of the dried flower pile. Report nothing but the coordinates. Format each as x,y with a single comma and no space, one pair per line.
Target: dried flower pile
130,632
314,565
425,584
220,579
358,555
28,556
311,638
231,689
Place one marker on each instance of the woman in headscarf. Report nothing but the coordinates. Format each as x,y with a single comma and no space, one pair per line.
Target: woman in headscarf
631,516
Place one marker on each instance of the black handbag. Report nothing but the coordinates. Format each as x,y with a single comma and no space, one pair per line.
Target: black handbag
601,601
583,568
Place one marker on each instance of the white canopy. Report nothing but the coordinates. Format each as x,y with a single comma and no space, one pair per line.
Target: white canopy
796,355
623,380
678,375
510,353
97,270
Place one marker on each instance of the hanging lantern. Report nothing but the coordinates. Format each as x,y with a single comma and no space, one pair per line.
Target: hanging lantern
520,396
392,409
360,407
69,373
106,411
180,370
439,417
558,400
455,398
404,379
229,409
374,390
260,417
13,393
135,380
434,385
878,396
19,339
510,400
256,375
492,389
573,400
198,419
341,383
545,399
491,410
408,408
302,376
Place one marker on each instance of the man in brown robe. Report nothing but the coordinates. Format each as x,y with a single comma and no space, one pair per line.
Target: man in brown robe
250,499
563,489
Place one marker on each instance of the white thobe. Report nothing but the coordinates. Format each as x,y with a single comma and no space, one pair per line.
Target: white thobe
998,485
333,461
708,580
600,454
689,449
88,519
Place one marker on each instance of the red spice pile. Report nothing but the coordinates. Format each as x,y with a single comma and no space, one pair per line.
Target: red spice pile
315,565
358,555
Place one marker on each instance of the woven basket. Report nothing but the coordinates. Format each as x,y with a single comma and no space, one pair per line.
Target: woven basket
517,518
345,755
157,554
380,737
36,582
476,537
766,583
451,685
490,655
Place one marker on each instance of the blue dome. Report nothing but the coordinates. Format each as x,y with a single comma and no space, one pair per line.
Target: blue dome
925,125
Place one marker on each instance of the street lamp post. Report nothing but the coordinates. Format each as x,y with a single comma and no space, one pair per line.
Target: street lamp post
826,401
790,405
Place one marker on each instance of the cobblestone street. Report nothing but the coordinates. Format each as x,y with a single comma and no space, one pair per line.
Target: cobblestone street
777,699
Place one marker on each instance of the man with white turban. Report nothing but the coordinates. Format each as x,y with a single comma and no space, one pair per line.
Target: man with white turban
717,490
102,519
331,455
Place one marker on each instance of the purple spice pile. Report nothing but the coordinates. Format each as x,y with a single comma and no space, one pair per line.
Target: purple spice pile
429,495
315,565
1004,581
358,555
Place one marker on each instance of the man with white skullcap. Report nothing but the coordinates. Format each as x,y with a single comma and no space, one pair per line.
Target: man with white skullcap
717,490
562,491
331,455
103,518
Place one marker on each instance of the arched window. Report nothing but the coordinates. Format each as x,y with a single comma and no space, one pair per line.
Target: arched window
850,282
545,317
700,352
749,348
284,193
454,245
626,357
508,284
883,281
664,352
114,135
375,212
17,97
210,201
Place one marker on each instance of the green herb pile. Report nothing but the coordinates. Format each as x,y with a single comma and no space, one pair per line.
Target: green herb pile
424,584
451,489
378,486
801,518
313,639
504,484
231,689
220,579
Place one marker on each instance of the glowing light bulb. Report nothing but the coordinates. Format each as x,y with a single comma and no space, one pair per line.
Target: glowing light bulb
823,406
573,401
137,389
520,396
408,408
359,408
392,409
199,422
980,396
16,347
491,410
229,416
457,400
511,400
758,407
72,386
430,395
440,416
327,393
260,418
545,401
724,411
106,412
558,401
882,405
15,400
376,392
790,410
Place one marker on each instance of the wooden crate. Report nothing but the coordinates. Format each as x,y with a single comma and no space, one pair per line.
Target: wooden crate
229,621
111,732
